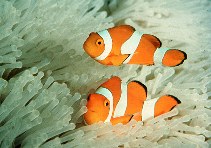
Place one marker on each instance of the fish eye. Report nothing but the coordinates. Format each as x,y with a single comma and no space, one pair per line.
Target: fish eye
99,42
106,103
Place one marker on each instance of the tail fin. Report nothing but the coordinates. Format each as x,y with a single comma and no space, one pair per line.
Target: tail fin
174,57
175,98
165,104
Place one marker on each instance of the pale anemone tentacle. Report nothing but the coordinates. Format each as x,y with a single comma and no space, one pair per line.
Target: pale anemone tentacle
130,46
159,55
148,109
108,44
106,93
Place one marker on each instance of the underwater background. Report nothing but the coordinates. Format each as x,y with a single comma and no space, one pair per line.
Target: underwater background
46,75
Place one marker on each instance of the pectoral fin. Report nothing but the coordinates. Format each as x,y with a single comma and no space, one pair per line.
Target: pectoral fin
118,60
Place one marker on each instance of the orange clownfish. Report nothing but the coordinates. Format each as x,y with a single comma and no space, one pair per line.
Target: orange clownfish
124,45
119,102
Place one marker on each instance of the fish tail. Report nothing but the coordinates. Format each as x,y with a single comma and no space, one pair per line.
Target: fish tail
165,104
174,57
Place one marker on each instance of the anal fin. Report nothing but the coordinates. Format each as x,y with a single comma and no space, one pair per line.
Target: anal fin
123,119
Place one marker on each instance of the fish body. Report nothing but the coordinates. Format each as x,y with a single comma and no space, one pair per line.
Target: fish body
118,102
124,45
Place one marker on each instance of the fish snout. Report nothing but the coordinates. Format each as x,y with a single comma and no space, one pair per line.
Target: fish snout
90,98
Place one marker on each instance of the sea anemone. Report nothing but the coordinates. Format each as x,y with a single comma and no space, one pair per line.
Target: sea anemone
46,76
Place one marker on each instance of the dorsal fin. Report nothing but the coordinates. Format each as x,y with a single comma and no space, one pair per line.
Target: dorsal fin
153,39
123,28
112,82
137,90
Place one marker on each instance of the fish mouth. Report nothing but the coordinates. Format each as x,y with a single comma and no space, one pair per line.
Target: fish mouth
88,49
85,46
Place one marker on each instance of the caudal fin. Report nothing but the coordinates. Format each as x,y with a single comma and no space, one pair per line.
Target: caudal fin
165,104
174,57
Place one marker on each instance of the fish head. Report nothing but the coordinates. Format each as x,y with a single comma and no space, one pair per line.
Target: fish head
98,109
94,45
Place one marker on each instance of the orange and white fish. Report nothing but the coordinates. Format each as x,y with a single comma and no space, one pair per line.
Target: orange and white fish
124,45
119,102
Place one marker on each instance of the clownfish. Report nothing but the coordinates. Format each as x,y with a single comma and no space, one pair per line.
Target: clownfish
118,102
124,45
